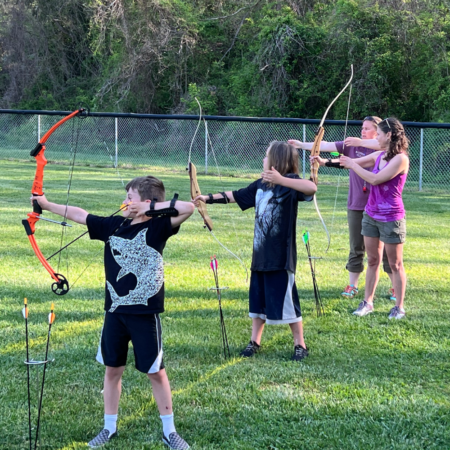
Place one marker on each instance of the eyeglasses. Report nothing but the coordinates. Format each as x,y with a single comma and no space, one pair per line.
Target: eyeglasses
388,124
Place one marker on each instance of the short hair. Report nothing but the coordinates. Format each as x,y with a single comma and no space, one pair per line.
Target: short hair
375,119
148,188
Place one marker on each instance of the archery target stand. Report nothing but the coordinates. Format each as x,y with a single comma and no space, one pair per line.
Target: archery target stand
35,365
225,345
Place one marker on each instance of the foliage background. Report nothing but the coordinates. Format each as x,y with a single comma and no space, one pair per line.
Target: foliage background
254,58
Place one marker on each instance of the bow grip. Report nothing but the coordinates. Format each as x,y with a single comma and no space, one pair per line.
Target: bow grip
37,150
36,208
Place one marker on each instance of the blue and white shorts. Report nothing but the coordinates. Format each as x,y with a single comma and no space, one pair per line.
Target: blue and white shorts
274,298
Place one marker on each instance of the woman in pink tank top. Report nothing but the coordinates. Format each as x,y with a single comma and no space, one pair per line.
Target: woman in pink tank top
384,223
358,194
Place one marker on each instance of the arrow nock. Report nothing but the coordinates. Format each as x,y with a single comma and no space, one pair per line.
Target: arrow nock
305,236
25,309
51,316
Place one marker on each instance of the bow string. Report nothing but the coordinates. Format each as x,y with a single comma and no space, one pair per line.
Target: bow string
195,188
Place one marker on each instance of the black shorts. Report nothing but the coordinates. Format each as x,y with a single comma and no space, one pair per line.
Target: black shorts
143,330
273,297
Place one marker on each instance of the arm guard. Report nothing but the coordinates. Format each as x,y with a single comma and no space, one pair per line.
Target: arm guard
171,211
222,201
330,163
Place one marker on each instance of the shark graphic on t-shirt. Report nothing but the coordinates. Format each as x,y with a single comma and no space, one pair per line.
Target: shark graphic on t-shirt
144,262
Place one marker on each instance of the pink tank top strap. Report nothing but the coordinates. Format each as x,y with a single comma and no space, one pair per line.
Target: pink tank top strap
376,167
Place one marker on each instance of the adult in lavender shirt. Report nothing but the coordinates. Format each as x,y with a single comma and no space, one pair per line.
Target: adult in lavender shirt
358,195
384,223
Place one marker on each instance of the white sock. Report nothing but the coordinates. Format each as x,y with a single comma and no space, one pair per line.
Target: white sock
168,425
111,423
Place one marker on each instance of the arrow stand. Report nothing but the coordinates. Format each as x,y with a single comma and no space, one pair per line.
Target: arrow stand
225,346
215,268
312,265
30,363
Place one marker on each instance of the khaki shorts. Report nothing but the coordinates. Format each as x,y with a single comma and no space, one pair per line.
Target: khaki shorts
388,232
355,261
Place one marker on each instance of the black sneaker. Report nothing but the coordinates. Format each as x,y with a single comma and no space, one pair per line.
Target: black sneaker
102,438
175,441
299,353
251,349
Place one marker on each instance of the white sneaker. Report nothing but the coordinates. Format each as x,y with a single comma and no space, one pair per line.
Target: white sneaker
363,309
397,313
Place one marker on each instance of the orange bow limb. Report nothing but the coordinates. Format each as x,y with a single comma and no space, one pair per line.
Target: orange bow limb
60,285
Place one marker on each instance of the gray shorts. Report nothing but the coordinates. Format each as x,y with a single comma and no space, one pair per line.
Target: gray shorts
388,232
355,261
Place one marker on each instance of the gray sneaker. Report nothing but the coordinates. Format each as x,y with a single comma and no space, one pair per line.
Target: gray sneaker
250,350
102,438
175,441
363,309
397,313
299,353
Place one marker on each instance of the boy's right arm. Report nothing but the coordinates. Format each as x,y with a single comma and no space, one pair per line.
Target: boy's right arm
185,210
73,213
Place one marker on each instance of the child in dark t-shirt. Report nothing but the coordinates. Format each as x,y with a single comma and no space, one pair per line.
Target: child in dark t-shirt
134,293
273,296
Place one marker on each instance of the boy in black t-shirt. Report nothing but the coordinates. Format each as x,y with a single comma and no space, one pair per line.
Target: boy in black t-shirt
273,296
134,293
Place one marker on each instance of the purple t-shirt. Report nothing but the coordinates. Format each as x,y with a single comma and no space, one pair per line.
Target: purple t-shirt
357,198
385,201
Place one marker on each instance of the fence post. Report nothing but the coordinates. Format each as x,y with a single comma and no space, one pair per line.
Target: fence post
39,127
116,140
421,159
206,148
304,156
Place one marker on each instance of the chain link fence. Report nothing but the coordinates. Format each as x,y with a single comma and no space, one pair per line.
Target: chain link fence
229,146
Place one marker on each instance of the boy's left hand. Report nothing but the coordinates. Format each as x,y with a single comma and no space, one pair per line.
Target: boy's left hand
41,200
272,176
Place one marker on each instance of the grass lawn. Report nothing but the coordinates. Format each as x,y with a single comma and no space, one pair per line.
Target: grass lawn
369,383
